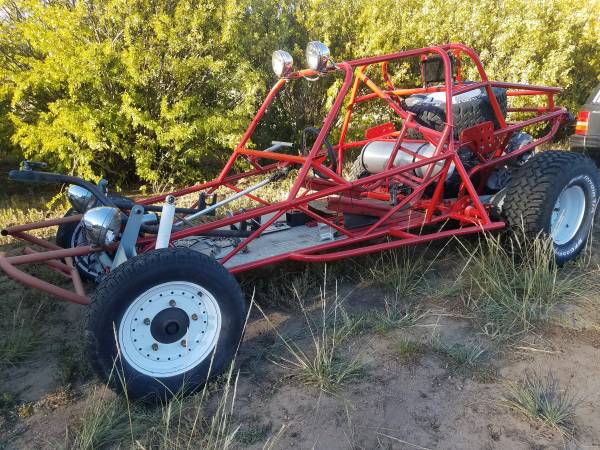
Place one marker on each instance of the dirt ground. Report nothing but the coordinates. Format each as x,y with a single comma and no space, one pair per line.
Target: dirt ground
426,401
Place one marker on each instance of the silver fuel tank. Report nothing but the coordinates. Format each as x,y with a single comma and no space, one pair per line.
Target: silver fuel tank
375,155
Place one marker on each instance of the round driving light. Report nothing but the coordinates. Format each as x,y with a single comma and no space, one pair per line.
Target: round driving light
80,198
317,56
282,63
102,225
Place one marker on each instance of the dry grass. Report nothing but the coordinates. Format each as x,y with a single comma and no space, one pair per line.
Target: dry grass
403,271
395,315
542,398
105,423
204,420
283,286
510,289
19,334
323,365
465,355
513,285
30,206
408,349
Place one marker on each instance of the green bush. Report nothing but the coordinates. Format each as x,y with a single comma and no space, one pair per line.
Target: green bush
160,90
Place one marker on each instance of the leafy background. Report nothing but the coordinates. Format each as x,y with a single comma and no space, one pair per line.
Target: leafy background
158,91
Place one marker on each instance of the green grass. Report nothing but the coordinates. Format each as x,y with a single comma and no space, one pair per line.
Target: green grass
323,364
282,287
252,434
204,420
408,349
395,315
542,398
20,335
464,355
27,204
511,286
403,271
105,423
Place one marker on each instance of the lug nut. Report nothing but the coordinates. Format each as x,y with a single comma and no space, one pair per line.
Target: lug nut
194,316
155,346
146,321
172,303
183,343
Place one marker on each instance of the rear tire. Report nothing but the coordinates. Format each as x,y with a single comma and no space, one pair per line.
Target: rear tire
177,316
556,194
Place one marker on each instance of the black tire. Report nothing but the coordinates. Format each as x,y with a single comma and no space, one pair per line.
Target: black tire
140,275
64,234
529,200
64,238
467,113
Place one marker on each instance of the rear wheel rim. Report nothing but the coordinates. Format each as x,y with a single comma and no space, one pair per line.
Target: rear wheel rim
169,329
567,214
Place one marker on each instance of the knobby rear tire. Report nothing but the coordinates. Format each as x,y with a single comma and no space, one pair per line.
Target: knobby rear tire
531,196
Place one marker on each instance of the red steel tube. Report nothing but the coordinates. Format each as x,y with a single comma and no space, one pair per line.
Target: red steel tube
36,283
52,254
60,267
394,244
42,224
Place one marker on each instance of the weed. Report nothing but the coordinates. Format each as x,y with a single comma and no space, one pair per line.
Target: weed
252,434
282,288
402,270
408,349
343,323
394,316
20,337
72,363
37,208
7,403
541,398
323,366
513,286
461,354
105,423
25,410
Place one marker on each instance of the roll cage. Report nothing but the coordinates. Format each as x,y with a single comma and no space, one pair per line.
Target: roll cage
417,214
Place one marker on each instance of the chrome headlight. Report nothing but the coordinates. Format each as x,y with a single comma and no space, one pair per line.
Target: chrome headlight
317,55
80,198
102,225
282,63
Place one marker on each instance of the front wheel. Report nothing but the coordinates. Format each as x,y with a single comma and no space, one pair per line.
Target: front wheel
555,193
165,322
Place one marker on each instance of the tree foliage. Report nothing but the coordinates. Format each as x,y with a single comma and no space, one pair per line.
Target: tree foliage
161,90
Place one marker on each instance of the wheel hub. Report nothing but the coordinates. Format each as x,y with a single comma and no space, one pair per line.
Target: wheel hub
567,214
169,325
170,328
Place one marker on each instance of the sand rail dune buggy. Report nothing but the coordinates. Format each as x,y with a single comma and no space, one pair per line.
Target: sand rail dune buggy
448,163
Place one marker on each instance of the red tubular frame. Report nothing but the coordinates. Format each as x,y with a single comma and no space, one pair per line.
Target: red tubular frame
398,225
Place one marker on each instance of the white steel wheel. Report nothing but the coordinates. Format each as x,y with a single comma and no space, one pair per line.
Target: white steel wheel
164,323
567,214
169,329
